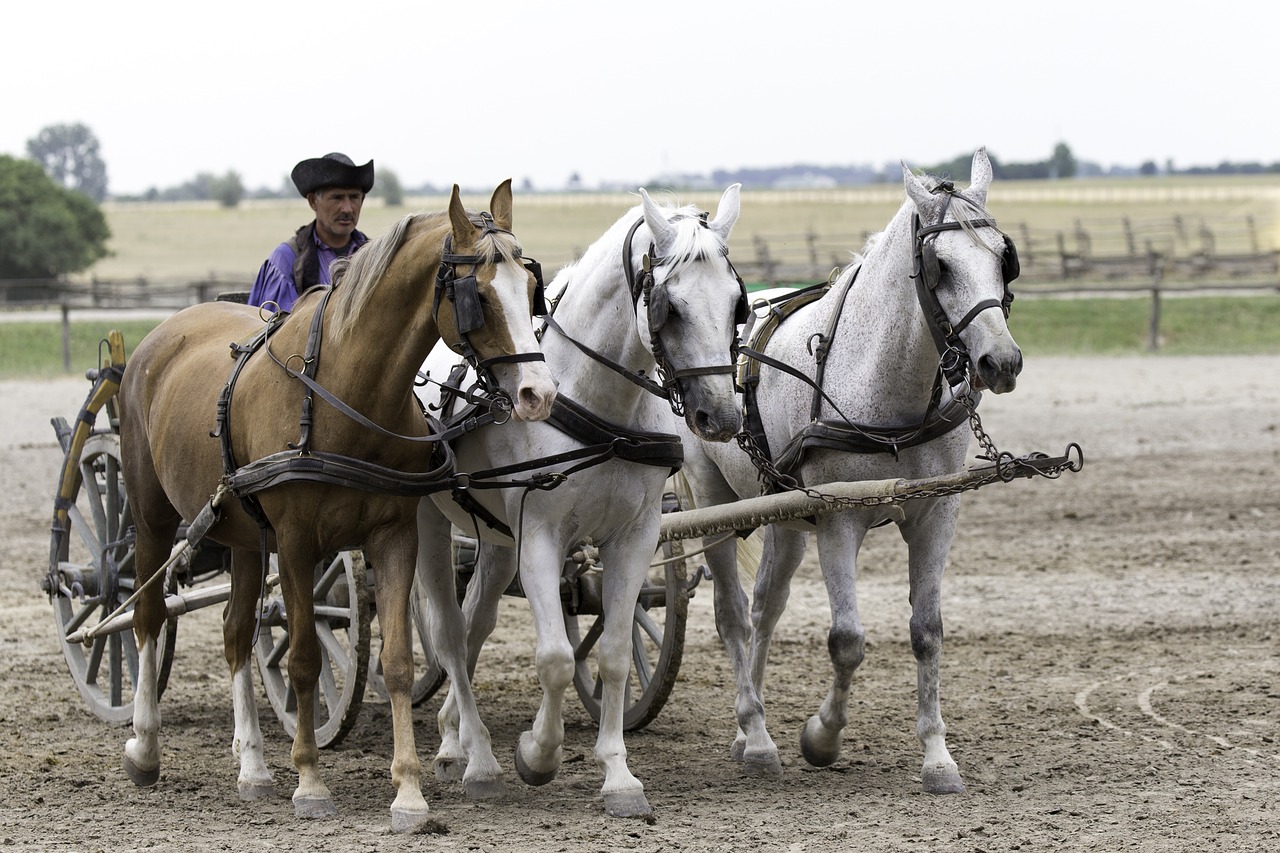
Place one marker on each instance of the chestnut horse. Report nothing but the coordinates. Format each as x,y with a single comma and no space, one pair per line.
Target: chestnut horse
390,304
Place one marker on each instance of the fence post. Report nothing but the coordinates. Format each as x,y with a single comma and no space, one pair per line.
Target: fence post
66,337
1153,326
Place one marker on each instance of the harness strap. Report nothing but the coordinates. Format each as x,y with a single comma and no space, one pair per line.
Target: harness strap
321,467
635,378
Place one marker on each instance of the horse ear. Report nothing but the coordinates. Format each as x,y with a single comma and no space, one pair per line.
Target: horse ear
980,177
727,212
500,205
663,232
462,227
916,190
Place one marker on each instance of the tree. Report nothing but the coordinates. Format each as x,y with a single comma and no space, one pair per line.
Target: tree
1063,162
48,230
228,189
69,155
388,188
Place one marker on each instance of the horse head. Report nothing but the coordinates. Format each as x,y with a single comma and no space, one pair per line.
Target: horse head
486,292
691,301
964,266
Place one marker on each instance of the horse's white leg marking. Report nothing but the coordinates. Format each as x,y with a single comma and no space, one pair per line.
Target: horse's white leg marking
393,554
626,563
928,536
482,778
246,745
839,538
142,751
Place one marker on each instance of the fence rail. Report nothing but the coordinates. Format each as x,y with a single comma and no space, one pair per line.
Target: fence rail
1121,256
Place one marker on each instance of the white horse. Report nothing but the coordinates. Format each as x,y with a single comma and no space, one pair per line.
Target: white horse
654,297
923,306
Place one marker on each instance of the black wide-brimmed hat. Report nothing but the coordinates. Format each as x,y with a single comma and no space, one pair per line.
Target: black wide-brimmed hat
332,170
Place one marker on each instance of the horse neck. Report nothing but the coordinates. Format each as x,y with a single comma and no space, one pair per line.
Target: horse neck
882,340
595,310
378,352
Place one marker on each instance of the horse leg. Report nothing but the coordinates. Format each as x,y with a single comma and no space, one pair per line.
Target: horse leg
482,778
539,751
626,565
839,538
929,541
393,553
154,544
783,551
495,569
311,799
239,619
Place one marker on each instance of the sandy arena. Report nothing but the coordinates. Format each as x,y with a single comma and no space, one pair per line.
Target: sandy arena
1110,674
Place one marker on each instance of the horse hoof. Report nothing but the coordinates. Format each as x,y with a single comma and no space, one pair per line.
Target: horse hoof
250,791
407,820
447,770
312,808
627,804
762,764
530,776
817,748
140,777
942,780
486,789
738,750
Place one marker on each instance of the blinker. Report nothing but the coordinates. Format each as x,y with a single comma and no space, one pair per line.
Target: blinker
468,313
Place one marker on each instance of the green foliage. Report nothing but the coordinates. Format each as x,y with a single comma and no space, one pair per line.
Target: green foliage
388,188
227,190
48,230
69,155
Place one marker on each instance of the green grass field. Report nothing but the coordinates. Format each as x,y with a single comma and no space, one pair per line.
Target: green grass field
1191,325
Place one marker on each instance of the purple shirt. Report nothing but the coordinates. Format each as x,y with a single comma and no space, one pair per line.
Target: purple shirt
275,280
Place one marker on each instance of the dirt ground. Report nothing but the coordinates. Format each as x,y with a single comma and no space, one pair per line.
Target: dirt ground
1110,675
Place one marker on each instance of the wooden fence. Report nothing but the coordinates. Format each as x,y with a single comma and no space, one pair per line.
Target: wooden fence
1142,257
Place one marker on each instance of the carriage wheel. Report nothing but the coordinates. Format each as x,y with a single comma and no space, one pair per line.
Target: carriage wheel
657,640
94,566
342,617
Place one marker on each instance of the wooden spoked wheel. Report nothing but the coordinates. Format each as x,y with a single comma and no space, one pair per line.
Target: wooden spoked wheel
342,617
92,574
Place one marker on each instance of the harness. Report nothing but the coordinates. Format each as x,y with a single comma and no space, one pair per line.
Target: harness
602,440
300,463
845,434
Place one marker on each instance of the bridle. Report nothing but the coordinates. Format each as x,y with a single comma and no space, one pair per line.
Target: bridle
927,273
644,288
463,293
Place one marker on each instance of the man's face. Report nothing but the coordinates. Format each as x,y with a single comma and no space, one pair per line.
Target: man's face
337,213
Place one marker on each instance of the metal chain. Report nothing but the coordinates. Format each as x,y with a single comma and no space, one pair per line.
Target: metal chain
1005,467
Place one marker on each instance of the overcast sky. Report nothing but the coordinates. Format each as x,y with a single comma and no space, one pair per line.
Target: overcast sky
476,91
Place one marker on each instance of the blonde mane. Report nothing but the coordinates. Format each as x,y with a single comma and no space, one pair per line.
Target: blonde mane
359,273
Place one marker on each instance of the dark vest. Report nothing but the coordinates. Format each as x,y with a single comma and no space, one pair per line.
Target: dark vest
306,257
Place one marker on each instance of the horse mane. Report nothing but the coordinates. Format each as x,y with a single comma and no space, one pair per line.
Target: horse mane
359,273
